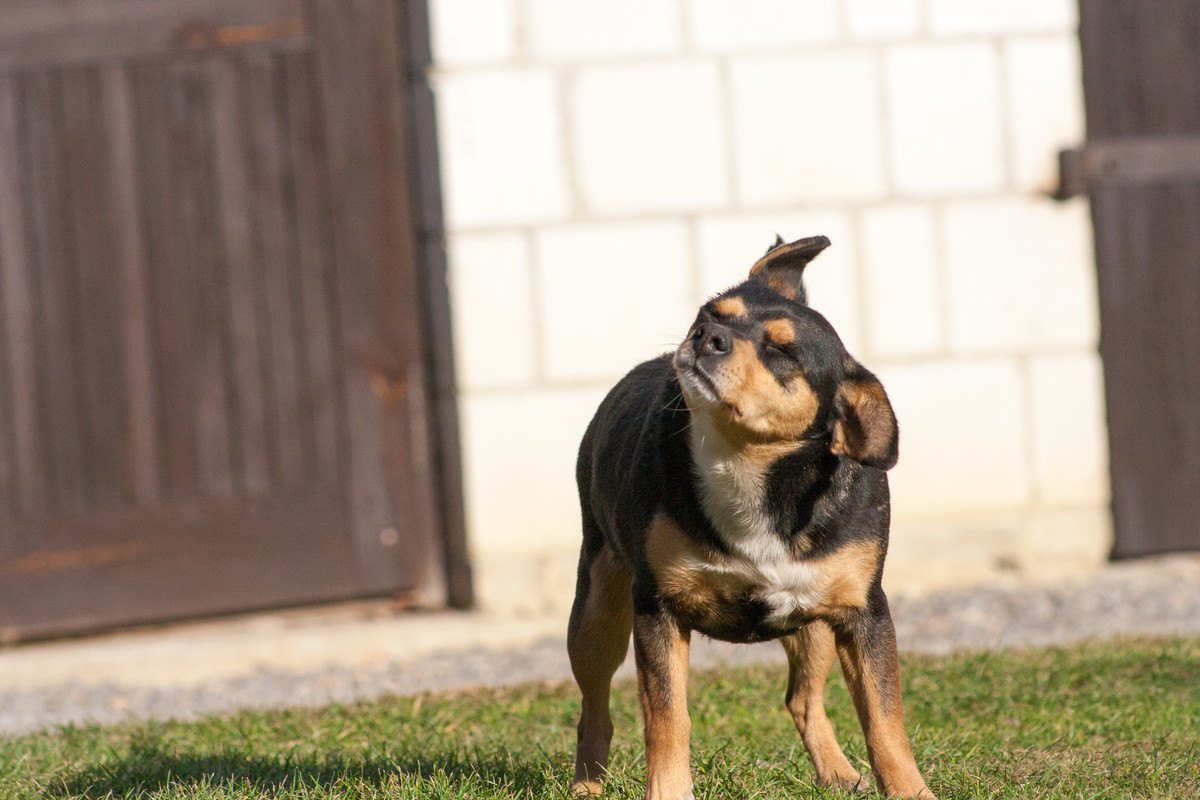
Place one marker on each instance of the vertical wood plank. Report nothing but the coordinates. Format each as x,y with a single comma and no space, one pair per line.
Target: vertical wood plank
1170,40
25,472
12,258
310,223
57,358
1174,254
95,292
354,269
237,220
277,260
195,101
1134,80
374,247
169,280
1120,301
142,472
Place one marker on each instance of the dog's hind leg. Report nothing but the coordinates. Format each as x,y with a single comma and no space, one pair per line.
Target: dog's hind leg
810,653
597,640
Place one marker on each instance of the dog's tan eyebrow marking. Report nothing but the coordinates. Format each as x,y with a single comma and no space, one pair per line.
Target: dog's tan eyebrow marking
780,331
730,307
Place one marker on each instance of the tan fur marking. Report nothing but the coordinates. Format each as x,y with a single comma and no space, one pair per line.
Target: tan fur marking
781,253
868,435
597,641
730,307
883,719
784,263
851,571
780,331
757,401
702,582
669,553
811,652
782,286
668,727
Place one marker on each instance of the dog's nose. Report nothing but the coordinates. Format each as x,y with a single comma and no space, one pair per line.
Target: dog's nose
710,339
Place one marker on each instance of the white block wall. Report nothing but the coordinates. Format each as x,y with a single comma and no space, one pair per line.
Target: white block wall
608,164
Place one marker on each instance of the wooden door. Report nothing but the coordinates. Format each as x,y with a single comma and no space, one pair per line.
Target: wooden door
1141,167
213,389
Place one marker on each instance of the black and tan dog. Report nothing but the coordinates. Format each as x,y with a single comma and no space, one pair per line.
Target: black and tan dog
737,488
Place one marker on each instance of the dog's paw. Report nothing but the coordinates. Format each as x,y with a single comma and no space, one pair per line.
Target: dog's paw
587,788
670,792
922,793
850,783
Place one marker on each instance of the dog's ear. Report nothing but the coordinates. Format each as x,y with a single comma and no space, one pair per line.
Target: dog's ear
782,267
865,428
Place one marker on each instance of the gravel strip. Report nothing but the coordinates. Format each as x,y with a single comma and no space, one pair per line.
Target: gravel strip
1158,597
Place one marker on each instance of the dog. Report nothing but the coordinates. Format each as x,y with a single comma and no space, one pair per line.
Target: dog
737,487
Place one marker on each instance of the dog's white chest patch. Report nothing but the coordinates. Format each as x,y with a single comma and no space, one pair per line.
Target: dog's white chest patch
732,491
786,586
715,584
758,563
790,588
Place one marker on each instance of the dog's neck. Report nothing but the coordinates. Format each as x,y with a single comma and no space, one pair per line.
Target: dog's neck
732,474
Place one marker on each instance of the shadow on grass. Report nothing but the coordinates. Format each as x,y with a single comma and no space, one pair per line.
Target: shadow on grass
148,768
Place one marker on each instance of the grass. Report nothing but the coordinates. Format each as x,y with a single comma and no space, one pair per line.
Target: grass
1117,720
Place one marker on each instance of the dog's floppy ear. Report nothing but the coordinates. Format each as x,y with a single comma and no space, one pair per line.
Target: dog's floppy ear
782,268
866,428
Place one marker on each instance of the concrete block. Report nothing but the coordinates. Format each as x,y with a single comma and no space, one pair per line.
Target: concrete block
502,153
1020,275
519,452
649,137
882,19
945,120
528,585
491,285
807,128
1045,101
1070,437
962,437
1065,543
722,26
730,244
471,31
612,296
953,17
903,289
963,550
587,29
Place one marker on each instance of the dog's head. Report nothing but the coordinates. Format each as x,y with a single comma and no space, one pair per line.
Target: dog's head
764,367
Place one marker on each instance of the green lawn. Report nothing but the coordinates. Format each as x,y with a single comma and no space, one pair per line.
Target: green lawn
1101,721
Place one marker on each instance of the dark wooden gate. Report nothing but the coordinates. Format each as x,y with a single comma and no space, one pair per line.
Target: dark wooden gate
1141,167
214,386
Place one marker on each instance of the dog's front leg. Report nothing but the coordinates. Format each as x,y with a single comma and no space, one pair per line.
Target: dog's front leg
661,649
866,644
